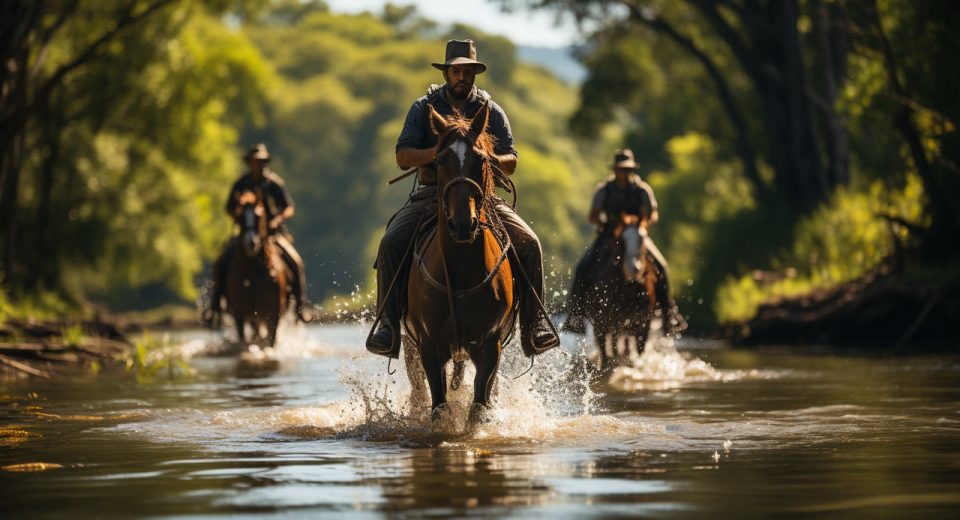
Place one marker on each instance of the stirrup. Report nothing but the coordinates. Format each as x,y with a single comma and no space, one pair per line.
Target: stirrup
393,349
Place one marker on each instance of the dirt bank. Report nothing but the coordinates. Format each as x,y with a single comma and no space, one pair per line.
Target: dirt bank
886,308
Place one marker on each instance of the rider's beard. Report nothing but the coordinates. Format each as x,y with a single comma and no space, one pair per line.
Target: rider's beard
460,90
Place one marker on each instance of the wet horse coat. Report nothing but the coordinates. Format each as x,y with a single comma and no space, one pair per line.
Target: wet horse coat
256,277
619,308
460,293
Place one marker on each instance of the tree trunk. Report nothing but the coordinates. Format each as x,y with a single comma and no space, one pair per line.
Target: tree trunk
802,148
773,59
939,182
838,150
43,268
744,148
18,18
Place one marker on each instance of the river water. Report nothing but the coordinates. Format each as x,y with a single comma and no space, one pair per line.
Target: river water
319,429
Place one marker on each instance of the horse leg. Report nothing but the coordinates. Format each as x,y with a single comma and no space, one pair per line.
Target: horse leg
238,323
433,368
415,375
642,333
600,336
486,360
272,325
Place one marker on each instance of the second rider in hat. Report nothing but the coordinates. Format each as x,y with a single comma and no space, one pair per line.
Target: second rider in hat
417,147
623,202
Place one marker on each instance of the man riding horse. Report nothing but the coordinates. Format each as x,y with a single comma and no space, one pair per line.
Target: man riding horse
624,207
279,207
417,148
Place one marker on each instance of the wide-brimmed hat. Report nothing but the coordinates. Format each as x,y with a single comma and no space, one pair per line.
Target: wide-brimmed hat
257,151
461,52
624,159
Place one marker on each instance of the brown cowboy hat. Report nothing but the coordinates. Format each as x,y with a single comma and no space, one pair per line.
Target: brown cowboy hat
257,151
624,159
461,52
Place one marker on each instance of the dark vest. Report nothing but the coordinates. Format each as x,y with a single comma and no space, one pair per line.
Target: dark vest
632,200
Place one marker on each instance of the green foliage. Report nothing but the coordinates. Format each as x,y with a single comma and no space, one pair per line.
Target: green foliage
648,76
152,358
841,241
708,223
346,83
72,334
144,142
126,171
37,305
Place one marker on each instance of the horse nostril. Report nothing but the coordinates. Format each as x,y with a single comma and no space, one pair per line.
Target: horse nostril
451,225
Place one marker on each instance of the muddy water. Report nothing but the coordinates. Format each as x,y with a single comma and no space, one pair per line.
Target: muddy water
318,429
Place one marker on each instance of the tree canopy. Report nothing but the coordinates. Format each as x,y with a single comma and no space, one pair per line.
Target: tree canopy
130,162
814,138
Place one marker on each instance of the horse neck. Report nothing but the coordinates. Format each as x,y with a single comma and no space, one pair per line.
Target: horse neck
267,245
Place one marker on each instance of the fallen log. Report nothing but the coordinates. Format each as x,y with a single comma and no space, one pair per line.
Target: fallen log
883,309
23,367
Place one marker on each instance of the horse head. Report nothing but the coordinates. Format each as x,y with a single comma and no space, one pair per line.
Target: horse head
464,172
252,223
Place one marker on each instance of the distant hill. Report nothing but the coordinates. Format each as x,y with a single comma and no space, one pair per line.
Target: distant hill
558,60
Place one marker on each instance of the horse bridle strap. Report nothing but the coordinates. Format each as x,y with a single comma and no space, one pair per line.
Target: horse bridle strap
504,245
456,180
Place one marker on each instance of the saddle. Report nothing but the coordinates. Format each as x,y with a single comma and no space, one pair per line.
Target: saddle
425,234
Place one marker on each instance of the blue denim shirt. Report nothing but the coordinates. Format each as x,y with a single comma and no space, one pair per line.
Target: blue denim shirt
416,131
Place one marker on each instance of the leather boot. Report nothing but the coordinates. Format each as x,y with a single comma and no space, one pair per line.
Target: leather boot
385,340
537,337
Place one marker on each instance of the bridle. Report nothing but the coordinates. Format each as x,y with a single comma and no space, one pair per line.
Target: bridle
485,212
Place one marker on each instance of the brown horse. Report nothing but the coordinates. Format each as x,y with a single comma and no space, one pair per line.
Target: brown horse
619,308
256,276
460,297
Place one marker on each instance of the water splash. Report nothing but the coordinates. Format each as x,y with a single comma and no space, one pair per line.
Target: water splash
663,367
534,406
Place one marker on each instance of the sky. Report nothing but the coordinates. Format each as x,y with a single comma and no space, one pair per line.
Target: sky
537,29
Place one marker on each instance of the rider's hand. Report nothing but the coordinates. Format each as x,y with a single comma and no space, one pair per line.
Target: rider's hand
630,220
275,222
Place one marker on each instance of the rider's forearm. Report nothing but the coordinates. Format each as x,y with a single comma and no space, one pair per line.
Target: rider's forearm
288,213
594,217
410,157
506,162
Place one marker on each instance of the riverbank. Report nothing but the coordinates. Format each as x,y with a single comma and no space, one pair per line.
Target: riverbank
887,308
51,348
63,343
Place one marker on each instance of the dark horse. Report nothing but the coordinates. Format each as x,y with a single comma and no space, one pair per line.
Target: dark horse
620,308
256,276
460,299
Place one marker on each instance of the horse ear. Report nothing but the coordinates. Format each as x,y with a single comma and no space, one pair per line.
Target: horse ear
438,123
479,122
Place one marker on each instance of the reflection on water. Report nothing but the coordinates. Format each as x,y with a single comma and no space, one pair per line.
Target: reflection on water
318,428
